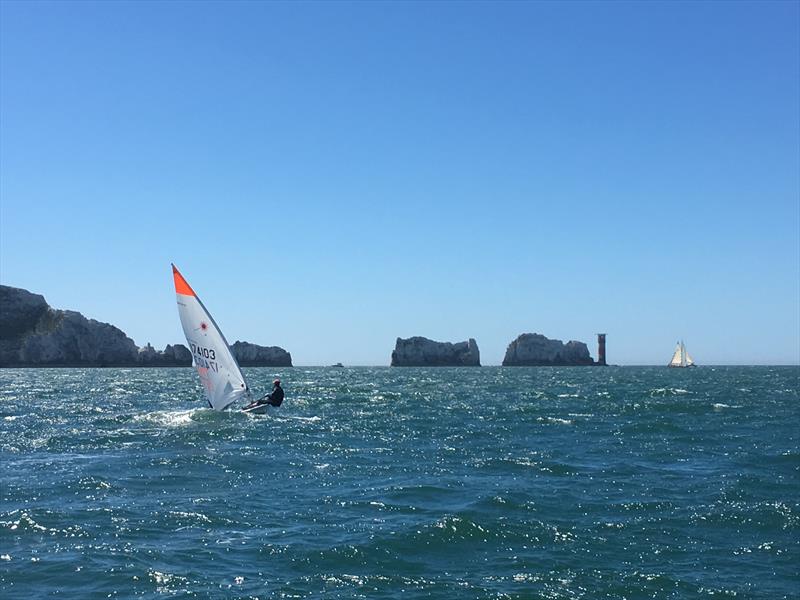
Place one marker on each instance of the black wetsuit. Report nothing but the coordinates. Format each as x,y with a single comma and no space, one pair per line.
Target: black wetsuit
275,397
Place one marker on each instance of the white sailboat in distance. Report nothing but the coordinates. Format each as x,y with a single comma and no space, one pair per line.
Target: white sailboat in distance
223,380
681,357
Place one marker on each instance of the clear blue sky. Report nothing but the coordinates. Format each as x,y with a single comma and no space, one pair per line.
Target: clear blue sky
329,176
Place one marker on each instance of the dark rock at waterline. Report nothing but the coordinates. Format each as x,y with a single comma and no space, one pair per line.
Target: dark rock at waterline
422,352
534,349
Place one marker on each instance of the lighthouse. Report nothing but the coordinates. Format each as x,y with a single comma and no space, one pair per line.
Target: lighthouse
601,349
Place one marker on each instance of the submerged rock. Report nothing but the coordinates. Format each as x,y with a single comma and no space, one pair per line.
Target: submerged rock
534,349
422,352
253,355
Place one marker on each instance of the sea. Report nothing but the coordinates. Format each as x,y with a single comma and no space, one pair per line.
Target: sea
618,482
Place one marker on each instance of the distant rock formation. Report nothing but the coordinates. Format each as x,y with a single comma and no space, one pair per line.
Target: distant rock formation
422,352
32,334
253,355
172,356
534,349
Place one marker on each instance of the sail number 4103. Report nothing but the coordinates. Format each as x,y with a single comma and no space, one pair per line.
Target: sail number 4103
204,352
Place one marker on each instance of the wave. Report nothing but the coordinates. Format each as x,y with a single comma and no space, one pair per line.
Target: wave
171,418
555,420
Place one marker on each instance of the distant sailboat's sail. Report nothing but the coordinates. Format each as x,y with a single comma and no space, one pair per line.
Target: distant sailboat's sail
689,361
681,357
676,357
222,379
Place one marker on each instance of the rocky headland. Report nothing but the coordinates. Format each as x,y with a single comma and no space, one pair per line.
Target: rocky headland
422,352
535,350
32,334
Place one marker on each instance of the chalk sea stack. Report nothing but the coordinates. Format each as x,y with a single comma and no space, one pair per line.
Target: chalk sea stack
422,352
252,355
536,350
172,356
32,334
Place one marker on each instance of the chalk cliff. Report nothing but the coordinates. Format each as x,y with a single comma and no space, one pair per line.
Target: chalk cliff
32,334
534,349
422,352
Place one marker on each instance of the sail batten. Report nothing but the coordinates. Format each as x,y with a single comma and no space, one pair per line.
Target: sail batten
222,378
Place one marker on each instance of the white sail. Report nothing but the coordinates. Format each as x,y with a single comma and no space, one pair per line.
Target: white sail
680,357
689,361
676,357
222,379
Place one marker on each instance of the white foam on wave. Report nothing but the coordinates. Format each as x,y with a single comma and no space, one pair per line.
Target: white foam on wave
526,462
554,420
315,419
190,515
169,418
668,391
26,522
163,580
345,579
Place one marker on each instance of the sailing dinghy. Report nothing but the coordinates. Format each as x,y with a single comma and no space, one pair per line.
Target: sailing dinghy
223,380
681,357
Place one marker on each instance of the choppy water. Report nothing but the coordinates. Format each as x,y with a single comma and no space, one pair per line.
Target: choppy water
413,483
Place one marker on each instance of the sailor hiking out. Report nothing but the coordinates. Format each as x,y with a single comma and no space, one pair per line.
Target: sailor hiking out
275,397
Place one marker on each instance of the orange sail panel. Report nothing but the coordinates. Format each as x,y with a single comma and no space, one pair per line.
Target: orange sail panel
181,286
